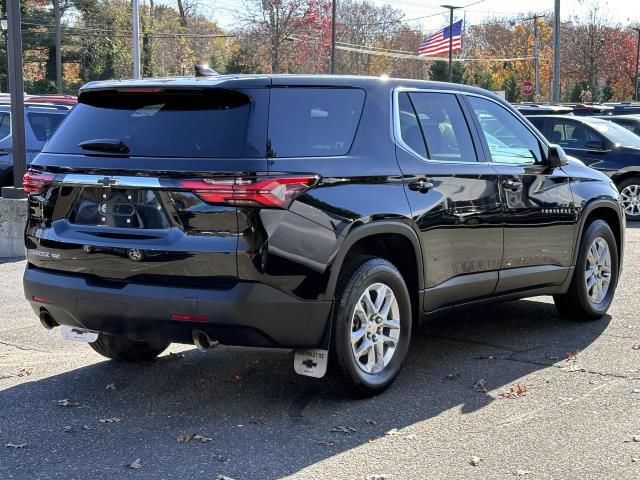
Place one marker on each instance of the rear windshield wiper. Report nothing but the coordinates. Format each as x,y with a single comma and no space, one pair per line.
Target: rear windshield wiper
114,145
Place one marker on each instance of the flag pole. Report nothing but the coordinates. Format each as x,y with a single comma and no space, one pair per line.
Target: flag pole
451,9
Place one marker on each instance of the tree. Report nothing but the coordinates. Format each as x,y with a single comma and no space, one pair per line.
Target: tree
439,71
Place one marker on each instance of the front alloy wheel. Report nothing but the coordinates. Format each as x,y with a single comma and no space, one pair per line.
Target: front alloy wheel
630,198
597,274
371,328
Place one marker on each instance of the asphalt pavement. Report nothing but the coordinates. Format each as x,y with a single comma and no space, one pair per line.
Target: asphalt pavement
552,399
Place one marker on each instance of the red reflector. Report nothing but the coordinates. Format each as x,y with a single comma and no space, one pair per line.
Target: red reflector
42,300
274,192
188,318
34,182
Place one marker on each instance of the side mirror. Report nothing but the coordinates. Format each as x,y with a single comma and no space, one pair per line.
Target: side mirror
595,145
556,156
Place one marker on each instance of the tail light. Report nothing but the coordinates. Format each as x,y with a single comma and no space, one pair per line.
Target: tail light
34,182
271,192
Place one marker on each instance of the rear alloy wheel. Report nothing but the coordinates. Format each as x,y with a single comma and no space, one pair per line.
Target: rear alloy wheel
371,329
595,277
126,349
630,198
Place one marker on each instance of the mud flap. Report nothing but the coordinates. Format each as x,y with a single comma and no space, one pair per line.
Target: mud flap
311,363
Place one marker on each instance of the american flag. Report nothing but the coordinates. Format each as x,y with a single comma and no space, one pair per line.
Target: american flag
438,43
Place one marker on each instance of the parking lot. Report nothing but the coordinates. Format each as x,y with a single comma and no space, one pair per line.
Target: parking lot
562,400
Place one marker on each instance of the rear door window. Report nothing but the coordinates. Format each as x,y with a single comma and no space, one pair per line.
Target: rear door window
44,124
5,125
181,123
313,122
444,127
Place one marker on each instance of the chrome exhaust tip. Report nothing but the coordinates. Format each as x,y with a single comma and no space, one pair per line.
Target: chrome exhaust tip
202,341
47,320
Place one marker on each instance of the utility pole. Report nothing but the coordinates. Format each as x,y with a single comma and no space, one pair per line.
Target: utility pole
635,92
451,9
536,57
56,14
556,53
135,12
333,36
16,88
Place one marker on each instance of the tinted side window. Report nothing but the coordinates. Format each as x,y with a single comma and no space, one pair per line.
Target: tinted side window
537,122
5,125
509,140
44,124
313,122
409,128
444,126
572,134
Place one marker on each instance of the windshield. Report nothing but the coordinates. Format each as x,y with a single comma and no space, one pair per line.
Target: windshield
616,133
208,124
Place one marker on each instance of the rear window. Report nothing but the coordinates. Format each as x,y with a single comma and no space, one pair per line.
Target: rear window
313,122
182,123
44,124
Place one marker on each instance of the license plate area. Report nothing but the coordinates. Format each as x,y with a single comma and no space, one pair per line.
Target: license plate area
119,208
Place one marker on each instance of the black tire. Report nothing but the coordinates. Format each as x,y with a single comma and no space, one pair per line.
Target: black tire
344,376
626,183
127,350
576,304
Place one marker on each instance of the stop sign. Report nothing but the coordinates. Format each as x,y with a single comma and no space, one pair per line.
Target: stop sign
527,88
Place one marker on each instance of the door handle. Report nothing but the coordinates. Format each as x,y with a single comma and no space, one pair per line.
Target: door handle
512,185
422,186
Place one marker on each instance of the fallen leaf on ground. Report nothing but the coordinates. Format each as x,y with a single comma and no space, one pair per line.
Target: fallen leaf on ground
635,460
258,422
220,457
67,403
452,376
236,377
68,429
377,477
110,420
571,356
522,472
372,422
184,437
223,477
514,392
475,461
635,390
201,439
15,445
343,429
136,464
327,443
480,386
25,372
111,386
636,346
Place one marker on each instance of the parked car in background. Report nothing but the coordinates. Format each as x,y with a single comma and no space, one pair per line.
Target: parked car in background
531,109
41,120
630,122
326,214
589,109
622,108
602,145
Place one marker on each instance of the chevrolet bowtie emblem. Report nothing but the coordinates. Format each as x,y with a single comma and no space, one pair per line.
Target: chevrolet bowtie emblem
108,181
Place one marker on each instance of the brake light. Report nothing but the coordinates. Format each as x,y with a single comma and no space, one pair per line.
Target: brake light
272,192
34,182
179,317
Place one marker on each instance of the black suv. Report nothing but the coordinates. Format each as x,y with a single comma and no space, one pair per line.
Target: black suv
325,214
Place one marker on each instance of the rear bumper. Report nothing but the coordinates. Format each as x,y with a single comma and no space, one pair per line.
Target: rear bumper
249,314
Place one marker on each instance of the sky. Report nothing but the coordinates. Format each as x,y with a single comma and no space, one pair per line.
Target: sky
619,11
